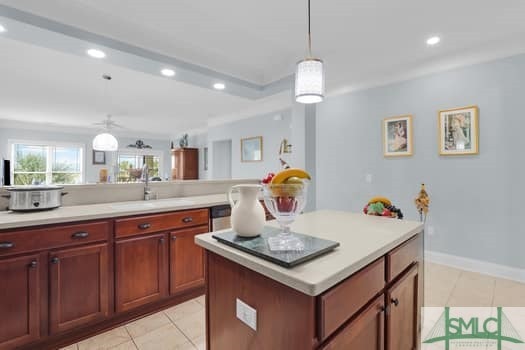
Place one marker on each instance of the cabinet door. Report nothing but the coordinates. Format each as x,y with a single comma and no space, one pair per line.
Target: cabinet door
78,286
19,301
186,259
402,320
141,269
366,332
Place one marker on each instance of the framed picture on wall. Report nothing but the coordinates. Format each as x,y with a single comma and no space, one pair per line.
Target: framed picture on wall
397,136
99,157
458,131
252,149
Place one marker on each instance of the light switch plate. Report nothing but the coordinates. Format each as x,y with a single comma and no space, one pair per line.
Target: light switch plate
247,314
368,178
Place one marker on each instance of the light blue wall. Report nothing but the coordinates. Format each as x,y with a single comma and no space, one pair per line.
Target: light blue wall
477,201
272,131
92,171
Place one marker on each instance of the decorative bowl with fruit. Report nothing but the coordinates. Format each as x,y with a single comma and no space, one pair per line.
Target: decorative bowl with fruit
382,206
285,195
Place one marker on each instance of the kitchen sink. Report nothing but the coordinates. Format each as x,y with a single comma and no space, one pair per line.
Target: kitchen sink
159,203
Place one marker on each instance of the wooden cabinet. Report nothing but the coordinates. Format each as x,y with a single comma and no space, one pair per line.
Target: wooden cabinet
141,269
185,163
402,318
78,290
186,259
365,332
19,301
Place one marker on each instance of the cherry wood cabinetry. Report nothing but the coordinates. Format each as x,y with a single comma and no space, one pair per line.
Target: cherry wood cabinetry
78,287
377,308
367,331
141,270
402,318
186,259
65,282
185,164
19,301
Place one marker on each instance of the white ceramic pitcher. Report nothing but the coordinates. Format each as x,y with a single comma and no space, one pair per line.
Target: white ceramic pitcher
248,216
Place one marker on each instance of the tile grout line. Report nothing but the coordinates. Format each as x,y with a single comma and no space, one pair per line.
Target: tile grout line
453,288
132,339
180,330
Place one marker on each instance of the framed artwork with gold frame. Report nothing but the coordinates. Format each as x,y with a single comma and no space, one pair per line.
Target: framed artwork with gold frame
398,136
458,131
252,149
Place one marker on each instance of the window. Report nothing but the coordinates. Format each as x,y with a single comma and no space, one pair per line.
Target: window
130,164
46,162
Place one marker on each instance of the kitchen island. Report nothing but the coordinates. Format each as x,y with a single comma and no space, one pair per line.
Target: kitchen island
366,294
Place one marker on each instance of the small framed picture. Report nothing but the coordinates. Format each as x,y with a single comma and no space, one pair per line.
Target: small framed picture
397,136
458,131
99,157
251,149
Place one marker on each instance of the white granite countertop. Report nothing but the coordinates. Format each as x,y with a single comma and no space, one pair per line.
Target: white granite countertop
362,240
9,219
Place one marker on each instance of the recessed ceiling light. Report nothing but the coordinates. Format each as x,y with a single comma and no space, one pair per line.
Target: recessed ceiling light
219,86
2,29
96,53
434,40
167,72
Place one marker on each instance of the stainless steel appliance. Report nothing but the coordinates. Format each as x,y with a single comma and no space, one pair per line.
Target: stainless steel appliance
220,217
34,197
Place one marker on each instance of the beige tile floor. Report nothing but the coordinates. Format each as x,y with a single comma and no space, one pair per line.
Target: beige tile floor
182,327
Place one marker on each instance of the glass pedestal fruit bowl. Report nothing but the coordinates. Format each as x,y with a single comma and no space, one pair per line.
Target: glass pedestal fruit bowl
285,201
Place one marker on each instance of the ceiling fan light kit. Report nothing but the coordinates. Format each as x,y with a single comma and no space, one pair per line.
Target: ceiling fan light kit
309,75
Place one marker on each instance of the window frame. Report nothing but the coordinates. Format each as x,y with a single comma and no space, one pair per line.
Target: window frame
50,146
142,152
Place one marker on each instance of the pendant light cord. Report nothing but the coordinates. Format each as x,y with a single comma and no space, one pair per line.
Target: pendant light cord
309,33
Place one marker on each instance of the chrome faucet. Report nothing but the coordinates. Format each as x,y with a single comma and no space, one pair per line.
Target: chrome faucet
145,178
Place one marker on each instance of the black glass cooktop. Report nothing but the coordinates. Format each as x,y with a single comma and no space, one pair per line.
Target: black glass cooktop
258,246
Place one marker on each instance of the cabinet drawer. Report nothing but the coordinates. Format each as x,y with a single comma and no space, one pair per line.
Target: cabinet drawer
160,222
399,259
52,237
342,301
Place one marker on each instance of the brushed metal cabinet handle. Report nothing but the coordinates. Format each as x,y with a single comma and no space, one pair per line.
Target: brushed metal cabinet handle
161,240
81,234
55,260
6,245
395,301
187,219
33,264
144,226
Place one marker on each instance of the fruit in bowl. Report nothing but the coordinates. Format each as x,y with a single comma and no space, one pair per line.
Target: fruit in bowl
382,206
285,197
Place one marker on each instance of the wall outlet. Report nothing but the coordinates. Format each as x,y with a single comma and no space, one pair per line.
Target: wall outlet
368,178
247,314
431,230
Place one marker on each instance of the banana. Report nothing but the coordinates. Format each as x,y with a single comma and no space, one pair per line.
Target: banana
283,175
383,200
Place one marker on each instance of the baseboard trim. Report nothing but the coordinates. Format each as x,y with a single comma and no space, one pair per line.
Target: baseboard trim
487,268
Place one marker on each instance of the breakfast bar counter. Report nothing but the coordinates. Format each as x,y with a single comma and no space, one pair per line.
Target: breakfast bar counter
364,294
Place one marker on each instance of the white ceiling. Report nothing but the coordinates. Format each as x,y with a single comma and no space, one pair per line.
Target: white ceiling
362,42
261,40
45,86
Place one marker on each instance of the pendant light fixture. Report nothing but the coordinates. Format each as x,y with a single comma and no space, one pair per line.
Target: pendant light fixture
309,75
105,141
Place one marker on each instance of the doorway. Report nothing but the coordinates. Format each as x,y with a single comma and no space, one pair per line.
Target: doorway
222,159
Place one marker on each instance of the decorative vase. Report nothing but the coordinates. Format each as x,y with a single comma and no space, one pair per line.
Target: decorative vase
248,216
